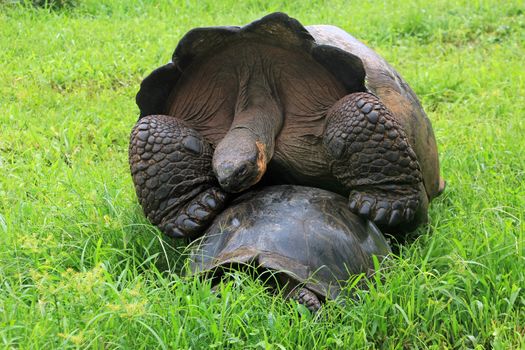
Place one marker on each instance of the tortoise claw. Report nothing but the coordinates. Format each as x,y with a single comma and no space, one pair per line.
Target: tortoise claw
409,214
385,207
197,214
395,218
172,231
353,205
364,210
381,215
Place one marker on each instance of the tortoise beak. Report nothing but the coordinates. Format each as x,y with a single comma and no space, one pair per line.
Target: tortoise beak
233,177
236,176
239,177
239,160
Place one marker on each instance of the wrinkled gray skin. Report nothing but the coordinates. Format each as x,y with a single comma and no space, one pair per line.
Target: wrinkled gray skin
274,102
308,235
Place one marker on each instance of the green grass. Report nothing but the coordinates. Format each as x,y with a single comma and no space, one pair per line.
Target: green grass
81,267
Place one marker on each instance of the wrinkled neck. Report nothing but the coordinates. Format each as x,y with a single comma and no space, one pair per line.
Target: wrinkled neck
241,157
258,108
238,145
259,130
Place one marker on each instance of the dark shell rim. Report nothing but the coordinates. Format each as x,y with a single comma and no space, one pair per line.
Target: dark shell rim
273,262
157,86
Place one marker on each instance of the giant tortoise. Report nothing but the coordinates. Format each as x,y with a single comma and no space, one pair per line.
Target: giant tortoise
275,102
307,237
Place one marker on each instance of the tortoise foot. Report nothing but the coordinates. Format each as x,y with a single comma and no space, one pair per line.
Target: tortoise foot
308,299
196,215
390,207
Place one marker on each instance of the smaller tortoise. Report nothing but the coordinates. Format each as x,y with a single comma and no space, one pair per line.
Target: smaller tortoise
307,235
286,104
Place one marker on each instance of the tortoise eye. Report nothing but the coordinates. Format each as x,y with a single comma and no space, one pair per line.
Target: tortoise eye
243,170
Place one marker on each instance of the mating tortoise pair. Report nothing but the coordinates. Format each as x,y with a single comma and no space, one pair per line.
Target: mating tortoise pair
275,103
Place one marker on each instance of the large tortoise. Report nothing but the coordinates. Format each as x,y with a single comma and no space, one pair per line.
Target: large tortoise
307,239
279,103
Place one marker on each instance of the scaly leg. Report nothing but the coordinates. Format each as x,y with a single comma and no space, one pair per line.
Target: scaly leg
171,169
372,157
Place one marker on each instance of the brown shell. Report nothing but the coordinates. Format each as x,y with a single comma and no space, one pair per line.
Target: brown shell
308,233
396,95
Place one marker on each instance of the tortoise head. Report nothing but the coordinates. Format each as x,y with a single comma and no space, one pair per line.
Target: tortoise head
239,161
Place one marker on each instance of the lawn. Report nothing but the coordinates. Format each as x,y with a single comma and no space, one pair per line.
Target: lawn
80,266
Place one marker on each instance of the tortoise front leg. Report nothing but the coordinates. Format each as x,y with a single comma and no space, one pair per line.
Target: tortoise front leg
171,169
372,157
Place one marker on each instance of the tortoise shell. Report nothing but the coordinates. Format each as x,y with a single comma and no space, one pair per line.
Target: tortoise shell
308,234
